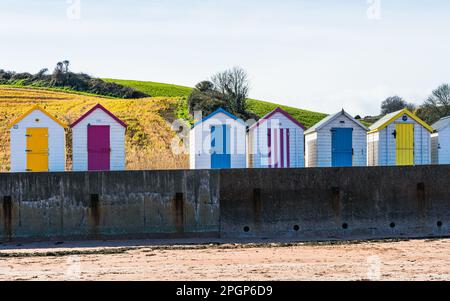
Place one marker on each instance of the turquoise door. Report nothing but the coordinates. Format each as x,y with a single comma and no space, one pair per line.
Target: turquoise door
342,147
220,147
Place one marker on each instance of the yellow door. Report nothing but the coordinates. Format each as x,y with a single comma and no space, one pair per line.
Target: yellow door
37,149
405,144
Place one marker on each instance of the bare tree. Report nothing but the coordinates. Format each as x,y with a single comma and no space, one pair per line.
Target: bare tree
437,104
66,64
234,85
395,103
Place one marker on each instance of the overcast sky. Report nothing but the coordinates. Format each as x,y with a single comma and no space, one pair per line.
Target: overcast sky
322,55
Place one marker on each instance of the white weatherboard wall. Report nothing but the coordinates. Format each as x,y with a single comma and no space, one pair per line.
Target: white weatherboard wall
373,146
318,151
56,142
200,142
441,151
387,154
259,148
80,139
311,150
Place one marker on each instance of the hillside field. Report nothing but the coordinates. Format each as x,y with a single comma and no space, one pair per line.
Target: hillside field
149,135
152,88
148,138
260,108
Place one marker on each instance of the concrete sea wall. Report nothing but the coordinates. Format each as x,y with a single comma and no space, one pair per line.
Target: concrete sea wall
121,204
298,204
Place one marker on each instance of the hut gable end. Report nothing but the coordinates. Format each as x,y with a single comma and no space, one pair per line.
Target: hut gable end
37,142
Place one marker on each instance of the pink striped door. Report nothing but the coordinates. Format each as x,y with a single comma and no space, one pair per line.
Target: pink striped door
278,142
99,148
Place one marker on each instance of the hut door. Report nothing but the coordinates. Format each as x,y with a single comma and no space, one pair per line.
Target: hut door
342,147
37,149
98,147
278,143
405,144
220,147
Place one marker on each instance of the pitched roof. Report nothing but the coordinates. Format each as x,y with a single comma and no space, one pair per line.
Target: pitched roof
220,110
330,118
277,110
98,106
389,118
34,108
442,123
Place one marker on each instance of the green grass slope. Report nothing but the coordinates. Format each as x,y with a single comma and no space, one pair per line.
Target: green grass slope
307,118
260,108
152,88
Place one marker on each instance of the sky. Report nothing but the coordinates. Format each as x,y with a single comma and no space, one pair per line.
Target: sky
321,55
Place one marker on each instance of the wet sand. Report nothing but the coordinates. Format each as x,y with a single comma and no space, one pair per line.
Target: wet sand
136,260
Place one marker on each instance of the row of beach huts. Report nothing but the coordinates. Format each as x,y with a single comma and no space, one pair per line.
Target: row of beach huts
38,142
279,141
221,141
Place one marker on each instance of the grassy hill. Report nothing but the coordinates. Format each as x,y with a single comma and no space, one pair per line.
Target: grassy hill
149,135
260,108
148,139
152,88
307,118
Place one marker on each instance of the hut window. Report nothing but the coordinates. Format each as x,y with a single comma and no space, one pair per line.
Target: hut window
37,120
405,118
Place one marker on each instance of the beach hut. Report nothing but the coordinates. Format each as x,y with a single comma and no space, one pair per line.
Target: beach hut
339,140
37,142
440,142
399,138
98,141
276,141
218,141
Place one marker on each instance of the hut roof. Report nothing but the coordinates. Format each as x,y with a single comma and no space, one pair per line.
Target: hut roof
329,119
442,123
269,115
39,108
220,110
98,106
389,118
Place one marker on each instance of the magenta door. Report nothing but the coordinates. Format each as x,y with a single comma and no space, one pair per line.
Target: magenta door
98,147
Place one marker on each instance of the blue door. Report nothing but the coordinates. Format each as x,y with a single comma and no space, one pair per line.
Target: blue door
220,147
342,147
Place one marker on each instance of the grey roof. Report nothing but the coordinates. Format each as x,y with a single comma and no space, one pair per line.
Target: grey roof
329,119
383,120
439,125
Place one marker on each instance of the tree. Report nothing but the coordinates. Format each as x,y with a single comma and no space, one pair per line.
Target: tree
395,103
57,75
205,98
228,90
437,105
62,77
234,86
66,64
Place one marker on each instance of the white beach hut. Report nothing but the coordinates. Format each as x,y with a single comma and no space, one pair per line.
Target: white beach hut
37,142
276,141
98,141
339,140
218,141
440,142
399,138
